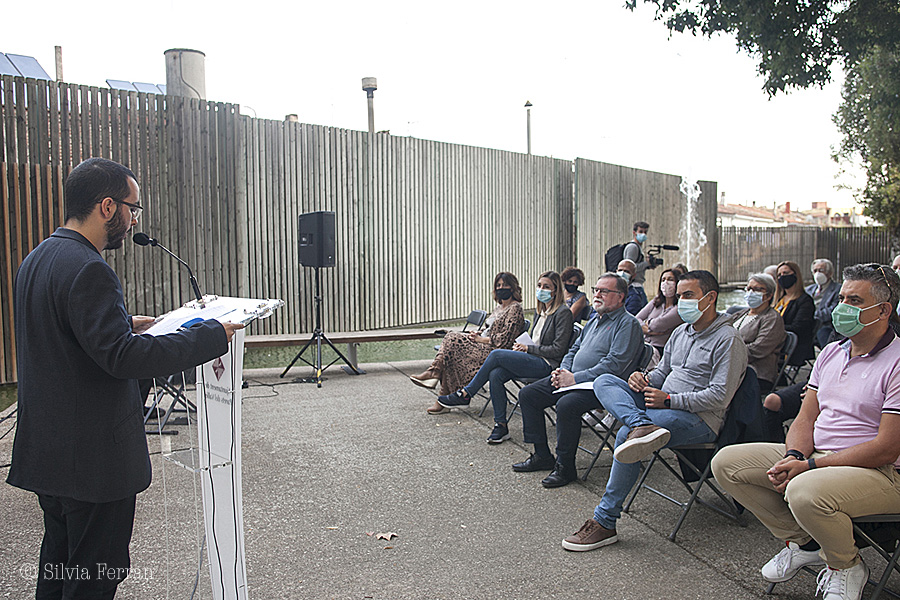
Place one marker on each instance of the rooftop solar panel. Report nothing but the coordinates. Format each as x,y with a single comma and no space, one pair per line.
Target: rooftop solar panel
6,67
28,66
119,84
150,88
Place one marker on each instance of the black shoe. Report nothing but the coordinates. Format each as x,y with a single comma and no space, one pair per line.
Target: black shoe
457,398
560,476
534,463
499,434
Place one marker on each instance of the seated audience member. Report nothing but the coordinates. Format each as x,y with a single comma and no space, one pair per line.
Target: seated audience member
895,265
772,271
551,331
824,293
679,269
462,354
610,343
797,309
761,328
840,458
659,317
575,299
778,407
637,298
682,401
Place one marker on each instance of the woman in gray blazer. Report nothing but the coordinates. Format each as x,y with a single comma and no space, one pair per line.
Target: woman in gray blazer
761,328
550,333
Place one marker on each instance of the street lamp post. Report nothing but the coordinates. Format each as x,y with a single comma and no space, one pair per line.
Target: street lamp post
369,85
528,111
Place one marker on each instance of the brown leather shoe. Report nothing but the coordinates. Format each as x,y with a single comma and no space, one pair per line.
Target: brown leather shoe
427,379
437,409
641,442
591,535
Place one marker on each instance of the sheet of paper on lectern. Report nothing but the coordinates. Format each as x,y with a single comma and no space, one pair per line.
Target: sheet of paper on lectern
221,308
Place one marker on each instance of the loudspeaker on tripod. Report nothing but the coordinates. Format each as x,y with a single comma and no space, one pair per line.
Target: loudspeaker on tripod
317,239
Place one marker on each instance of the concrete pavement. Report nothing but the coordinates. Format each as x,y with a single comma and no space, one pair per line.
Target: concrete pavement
324,466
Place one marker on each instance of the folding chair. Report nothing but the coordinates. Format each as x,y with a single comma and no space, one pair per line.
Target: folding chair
882,533
607,432
784,355
475,318
692,477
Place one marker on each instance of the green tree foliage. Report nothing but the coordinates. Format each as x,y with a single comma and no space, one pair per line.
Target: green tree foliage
795,41
869,120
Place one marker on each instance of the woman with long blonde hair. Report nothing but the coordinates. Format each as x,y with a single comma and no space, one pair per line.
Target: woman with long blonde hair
550,335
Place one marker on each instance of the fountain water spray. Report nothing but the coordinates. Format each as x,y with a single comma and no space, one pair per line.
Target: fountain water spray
692,234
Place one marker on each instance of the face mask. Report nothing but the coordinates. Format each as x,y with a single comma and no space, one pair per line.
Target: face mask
787,281
571,288
543,295
753,299
503,293
624,275
689,311
667,288
845,319
641,238
820,277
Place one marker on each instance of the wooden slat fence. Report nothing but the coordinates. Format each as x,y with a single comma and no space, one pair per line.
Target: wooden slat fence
747,250
422,226
611,198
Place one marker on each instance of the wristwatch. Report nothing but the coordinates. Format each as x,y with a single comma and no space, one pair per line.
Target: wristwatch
795,453
668,401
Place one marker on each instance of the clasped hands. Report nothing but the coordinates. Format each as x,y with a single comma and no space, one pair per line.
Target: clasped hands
653,397
784,470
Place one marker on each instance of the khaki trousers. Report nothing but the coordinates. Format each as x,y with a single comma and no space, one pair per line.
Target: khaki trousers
817,504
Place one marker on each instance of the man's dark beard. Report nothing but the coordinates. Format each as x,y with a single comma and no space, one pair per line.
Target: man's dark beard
116,229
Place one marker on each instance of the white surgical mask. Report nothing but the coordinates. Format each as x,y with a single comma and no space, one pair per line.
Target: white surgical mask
624,275
820,277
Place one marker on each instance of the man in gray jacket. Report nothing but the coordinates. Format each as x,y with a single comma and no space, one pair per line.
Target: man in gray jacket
682,401
611,342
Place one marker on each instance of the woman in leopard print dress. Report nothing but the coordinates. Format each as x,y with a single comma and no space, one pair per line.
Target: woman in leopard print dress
462,354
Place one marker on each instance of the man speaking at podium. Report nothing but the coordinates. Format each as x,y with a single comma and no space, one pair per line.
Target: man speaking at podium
80,442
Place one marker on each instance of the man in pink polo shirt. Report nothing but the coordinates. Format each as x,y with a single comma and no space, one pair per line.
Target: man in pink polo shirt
840,458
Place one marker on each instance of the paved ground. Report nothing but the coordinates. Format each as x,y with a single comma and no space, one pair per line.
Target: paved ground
324,466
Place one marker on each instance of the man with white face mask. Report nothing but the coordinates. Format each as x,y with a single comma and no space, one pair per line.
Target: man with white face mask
824,293
682,401
840,458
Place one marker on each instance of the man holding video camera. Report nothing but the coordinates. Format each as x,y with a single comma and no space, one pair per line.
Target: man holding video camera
633,252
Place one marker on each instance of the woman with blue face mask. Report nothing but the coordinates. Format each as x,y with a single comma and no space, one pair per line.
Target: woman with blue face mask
761,328
551,336
797,309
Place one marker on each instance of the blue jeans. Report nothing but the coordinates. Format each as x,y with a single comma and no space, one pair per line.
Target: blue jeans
628,407
500,367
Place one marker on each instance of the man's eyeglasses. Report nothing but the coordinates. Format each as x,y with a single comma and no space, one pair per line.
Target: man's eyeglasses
603,291
136,209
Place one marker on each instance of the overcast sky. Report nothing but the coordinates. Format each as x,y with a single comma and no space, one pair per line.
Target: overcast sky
606,83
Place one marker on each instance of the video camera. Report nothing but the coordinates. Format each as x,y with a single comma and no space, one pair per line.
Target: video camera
654,251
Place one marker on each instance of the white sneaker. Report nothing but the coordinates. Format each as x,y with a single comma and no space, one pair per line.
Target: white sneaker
842,584
786,563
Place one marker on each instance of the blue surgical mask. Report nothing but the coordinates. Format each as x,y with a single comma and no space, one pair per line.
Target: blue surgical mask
689,310
845,319
641,238
753,299
543,295
624,275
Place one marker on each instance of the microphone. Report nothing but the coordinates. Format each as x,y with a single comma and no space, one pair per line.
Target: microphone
665,246
142,239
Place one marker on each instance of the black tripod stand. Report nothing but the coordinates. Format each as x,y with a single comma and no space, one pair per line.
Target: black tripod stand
318,337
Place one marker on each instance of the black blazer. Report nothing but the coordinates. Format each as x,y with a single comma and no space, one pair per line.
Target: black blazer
799,317
555,336
80,432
